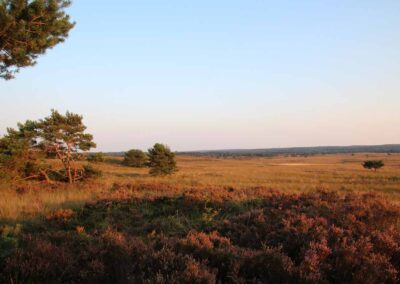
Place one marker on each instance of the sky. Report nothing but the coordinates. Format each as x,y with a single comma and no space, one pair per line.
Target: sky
221,74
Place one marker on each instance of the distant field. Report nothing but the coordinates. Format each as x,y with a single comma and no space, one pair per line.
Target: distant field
207,175
287,174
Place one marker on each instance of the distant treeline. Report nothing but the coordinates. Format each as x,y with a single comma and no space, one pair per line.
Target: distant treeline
298,151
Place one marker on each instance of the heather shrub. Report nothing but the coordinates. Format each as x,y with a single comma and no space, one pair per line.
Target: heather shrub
60,216
309,238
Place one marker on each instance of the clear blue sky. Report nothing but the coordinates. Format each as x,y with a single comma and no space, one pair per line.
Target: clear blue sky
221,74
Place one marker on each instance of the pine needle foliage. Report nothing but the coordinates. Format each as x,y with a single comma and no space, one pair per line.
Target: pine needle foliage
161,160
65,135
19,152
27,29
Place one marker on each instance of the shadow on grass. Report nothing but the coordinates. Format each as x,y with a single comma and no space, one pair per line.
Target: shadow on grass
130,175
172,216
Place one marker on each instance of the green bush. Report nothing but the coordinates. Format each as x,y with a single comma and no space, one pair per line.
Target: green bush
96,157
373,164
161,160
135,158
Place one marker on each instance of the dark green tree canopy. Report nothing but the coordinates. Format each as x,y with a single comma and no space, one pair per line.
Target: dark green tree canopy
27,29
60,132
135,158
373,164
161,160
15,146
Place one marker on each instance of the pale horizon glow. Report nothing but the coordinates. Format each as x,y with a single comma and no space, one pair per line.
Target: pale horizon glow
203,75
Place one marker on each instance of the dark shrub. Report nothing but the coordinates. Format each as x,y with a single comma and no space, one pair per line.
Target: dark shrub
373,164
161,160
91,172
135,158
96,157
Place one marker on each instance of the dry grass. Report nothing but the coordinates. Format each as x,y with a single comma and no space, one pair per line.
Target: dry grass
287,174
342,173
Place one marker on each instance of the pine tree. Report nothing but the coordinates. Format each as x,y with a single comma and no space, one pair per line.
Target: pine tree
161,160
27,29
64,135
23,152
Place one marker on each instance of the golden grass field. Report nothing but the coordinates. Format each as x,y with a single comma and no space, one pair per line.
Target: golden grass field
341,173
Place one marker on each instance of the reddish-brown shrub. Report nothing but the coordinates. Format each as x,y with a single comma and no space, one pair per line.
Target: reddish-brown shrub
311,238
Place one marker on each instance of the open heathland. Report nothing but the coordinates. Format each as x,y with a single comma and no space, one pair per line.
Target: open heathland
313,219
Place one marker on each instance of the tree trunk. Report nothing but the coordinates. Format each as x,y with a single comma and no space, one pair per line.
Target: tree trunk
69,175
64,159
70,179
74,168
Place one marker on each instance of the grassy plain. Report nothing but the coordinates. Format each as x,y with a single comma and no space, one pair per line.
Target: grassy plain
243,178
286,174
242,220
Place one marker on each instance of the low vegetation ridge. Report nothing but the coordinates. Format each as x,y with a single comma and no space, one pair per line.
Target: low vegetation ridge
317,150
387,148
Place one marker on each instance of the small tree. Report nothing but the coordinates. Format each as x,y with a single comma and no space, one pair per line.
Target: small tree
135,158
373,164
20,155
28,29
96,157
161,160
65,135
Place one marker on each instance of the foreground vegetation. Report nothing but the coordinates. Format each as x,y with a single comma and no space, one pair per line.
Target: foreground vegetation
275,238
272,220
